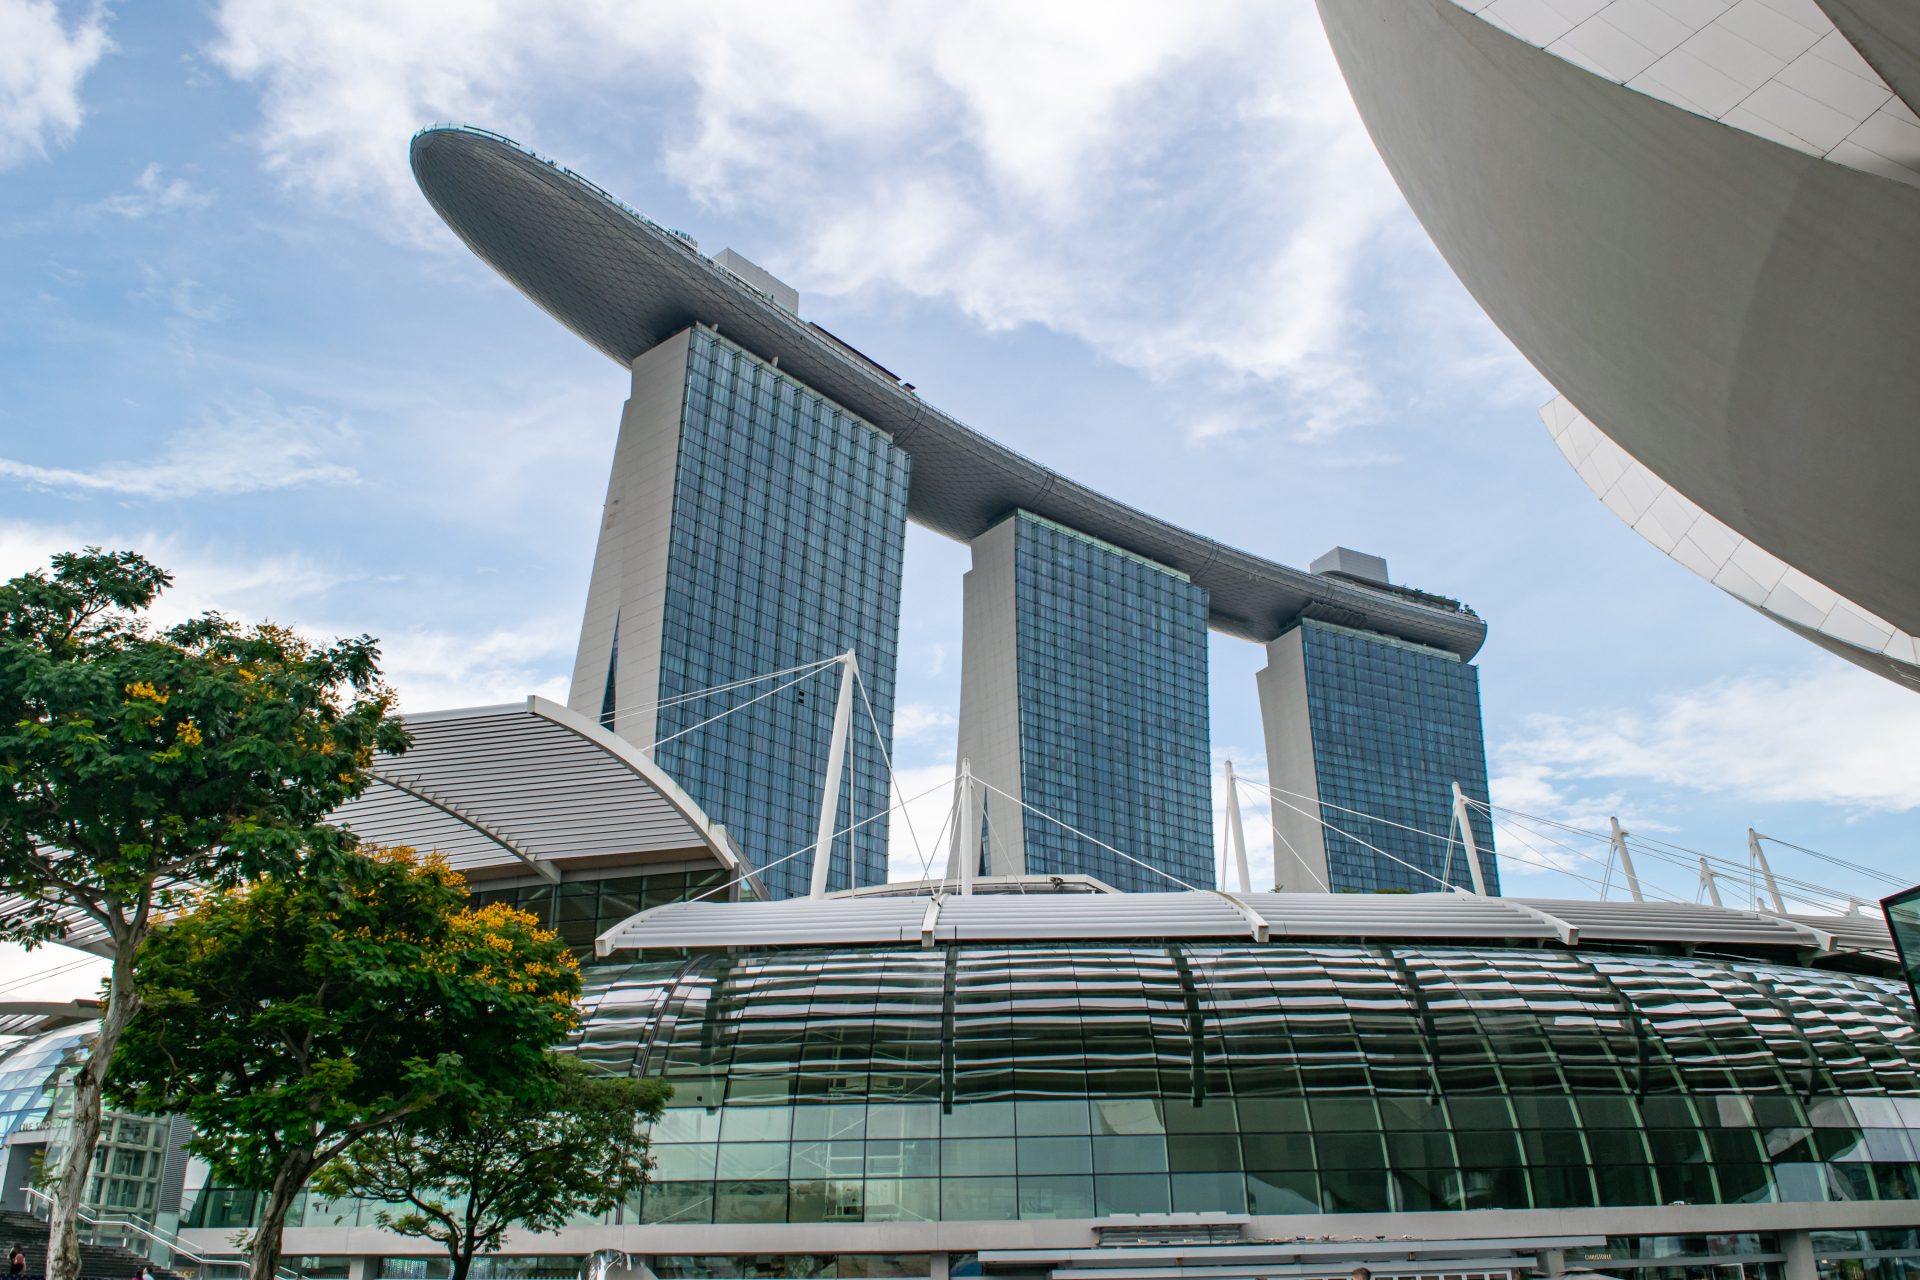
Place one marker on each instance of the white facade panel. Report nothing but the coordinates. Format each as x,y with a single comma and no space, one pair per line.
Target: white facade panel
1774,68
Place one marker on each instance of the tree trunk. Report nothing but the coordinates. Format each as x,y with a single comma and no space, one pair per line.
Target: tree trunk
461,1244
76,1162
263,1251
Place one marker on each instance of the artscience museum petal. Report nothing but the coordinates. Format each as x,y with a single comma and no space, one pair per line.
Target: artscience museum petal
1701,223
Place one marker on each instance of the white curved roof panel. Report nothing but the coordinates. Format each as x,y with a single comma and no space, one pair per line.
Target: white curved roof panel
530,786
1264,917
1737,565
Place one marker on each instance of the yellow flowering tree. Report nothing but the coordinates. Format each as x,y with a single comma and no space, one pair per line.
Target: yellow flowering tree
293,1016
134,758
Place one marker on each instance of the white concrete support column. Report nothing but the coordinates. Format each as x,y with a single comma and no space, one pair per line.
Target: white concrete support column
1619,843
1799,1263
1236,837
1299,841
626,596
1709,883
1759,857
1463,818
836,767
989,733
966,827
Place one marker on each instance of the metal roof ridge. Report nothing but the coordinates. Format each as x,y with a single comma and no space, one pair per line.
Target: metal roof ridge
418,790
597,735
1259,927
1569,932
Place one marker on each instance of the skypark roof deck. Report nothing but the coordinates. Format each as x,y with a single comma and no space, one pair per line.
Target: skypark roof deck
625,284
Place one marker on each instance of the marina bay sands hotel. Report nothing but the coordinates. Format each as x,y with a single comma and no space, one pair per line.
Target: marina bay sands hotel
755,522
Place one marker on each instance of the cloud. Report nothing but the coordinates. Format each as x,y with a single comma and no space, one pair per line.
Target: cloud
1834,736
919,833
916,719
1186,190
430,668
42,64
151,194
239,454
256,586
435,670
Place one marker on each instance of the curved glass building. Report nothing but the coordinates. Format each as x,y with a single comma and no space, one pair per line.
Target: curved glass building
1086,1079
1095,1086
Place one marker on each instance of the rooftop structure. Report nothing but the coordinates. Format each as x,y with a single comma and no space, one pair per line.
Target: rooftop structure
625,284
934,919
1698,221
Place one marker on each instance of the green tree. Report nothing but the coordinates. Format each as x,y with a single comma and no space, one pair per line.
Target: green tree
470,1178
291,1017
136,758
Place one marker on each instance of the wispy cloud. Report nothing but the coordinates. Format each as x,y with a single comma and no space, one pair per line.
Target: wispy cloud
1031,164
919,719
152,194
1834,736
241,453
42,64
283,587
433,670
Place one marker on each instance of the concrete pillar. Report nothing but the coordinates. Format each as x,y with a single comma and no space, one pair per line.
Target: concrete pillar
1798,1246
990,695
1299,841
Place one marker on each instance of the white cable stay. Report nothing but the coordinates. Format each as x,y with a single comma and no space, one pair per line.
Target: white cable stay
1894,881
800,674
1444,886
846,830
1820,898
893,780
1517,832
1276,794
621,713
810,674
1164,874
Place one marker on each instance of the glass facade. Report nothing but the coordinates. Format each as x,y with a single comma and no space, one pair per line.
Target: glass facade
1078,1080
1903,921
1112,677
1394,727
36,1093
581,910
30,1071
789,522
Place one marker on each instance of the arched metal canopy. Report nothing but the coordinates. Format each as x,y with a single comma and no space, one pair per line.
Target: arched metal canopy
530,787
34,1017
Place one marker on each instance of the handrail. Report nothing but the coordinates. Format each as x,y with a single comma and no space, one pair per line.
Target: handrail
171,1243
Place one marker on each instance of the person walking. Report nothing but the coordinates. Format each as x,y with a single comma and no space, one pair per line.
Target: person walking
17,1261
